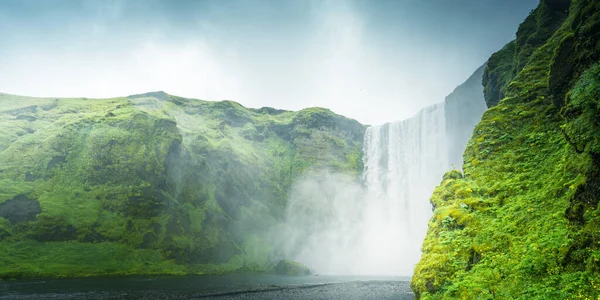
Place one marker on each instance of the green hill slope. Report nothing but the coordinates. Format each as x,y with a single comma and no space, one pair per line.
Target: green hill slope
153,183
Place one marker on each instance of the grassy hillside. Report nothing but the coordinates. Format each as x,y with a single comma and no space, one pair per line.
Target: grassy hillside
523,220
153,183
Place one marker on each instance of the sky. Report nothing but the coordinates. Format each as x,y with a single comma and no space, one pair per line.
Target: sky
371,60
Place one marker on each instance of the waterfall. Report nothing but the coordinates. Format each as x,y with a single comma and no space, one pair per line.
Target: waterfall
404,161
337,225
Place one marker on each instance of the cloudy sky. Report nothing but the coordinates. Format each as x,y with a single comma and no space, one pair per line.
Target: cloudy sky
372,60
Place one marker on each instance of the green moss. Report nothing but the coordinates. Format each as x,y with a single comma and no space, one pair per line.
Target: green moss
507,63
68,259
155,183
522,222
291,268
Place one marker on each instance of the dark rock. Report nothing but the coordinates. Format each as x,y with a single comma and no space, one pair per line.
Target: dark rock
50,106
56,161
184,221
173,227
26,118
292,268
148,240
561,70
29,109
282,130
53,228
20,209
149,204
29,177
559,5
93,237
430,287
474,258
4,234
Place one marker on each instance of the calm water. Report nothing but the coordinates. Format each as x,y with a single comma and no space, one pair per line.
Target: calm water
231,286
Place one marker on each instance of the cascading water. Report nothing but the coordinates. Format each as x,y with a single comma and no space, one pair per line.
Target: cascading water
337,225
404,161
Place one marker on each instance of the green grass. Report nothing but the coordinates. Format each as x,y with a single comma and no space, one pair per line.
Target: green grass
69,259
154,183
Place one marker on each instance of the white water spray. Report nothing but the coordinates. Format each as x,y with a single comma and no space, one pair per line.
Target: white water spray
404,161
337,225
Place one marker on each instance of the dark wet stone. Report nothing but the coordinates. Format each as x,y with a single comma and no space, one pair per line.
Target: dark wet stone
26,118
20,209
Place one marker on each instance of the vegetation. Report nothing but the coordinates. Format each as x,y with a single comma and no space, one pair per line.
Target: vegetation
153,183
523,220
286,267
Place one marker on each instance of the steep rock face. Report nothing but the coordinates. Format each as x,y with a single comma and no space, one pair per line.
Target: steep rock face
153,183
463,110
523,220
533,33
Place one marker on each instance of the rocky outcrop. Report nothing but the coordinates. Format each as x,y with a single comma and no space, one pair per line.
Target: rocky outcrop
522,220
533,33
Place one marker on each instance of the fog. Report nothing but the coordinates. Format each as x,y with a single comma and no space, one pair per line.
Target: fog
337,226
373,225
374,61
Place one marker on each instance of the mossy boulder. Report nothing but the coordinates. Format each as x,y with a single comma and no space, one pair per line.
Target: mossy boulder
291,268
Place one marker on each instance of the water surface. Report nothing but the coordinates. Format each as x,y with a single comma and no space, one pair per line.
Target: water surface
230,286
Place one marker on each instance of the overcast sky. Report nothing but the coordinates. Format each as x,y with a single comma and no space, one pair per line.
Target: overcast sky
372,60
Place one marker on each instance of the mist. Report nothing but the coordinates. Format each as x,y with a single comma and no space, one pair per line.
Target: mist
372,61
336,226
374,224
379,62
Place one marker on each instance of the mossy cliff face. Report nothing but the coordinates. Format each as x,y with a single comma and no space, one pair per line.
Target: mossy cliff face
153,183
523,220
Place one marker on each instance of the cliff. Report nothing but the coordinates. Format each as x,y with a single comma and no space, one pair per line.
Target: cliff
522,221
